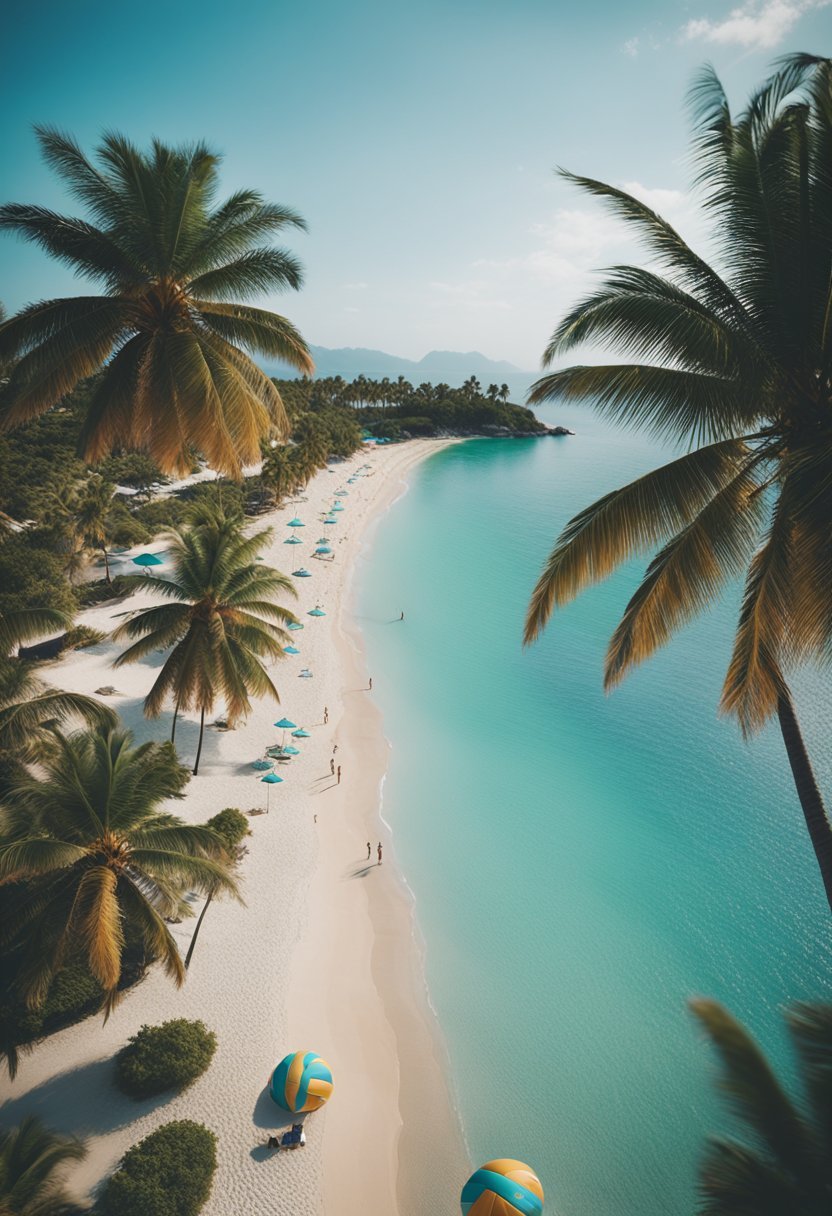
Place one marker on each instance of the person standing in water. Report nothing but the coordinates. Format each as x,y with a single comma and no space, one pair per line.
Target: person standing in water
369,850
379,852
401,618
371,684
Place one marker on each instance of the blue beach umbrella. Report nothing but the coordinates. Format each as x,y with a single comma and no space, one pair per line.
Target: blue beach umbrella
291,751
316,612
295,523
341,493
294,625
337,506
330,520
322,540
323,549
285,724
293,540
147,559
262,766
270,780
300,733
302,573
290,650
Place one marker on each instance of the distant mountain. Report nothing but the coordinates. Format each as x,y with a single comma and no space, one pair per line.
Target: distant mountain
437,367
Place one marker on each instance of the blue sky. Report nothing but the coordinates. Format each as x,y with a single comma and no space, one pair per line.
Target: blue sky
418,139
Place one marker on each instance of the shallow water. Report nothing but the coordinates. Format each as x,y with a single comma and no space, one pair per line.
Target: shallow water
581,864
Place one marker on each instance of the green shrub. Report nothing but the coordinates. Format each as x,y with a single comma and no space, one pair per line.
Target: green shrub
124,529
101,591
231,825
31,575
169,1056
161,514
169,1173
80,636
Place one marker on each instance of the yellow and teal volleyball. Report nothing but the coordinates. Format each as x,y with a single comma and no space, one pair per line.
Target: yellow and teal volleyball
301,1082
503,1188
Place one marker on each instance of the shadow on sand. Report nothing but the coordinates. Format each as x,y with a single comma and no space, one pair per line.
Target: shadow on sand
83,1101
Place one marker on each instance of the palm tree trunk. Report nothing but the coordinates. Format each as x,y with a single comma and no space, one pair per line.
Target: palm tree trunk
817,821
199,748
197,929
106,565
173,725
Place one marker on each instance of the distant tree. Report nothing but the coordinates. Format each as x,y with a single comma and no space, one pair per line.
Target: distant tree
782,1166
172,347
91,511
223,622
278,473
31,1161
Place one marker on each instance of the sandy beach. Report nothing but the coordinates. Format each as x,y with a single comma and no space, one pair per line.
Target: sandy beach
324,955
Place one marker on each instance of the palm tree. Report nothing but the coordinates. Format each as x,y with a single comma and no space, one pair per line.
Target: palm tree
29,708
90,855
30,1158
222,623
165,333
783,1165
278,473
91,508
739,365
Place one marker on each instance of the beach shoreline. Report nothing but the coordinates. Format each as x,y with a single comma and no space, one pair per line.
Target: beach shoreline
325,955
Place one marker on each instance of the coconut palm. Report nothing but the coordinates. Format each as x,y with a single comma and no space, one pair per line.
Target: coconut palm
90,856
279,474
738,364
31,1158
222,623
166,333
29,708
91,508
782,1166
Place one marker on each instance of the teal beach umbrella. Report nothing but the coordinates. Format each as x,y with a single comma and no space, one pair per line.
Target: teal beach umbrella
290,650
270,780
300,733
147,559
316,612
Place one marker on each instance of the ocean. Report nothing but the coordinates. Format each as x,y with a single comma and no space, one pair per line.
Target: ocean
581,864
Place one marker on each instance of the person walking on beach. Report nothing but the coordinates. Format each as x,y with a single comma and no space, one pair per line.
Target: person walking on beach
369,850
326,715
371,684
339,774
332,768
379,852
401,618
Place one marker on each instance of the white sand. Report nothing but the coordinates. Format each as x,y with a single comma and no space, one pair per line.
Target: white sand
322,956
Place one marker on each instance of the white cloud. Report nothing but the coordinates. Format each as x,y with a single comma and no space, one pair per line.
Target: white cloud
631,46
756,25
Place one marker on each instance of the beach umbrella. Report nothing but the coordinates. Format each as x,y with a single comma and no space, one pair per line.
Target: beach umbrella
291,751
341,493
262,766
323,549
295,523
293,540
290,650
504,1187
270,780
316,611
147,559
330,520
284,724
295,625
300,733
322,540
302,573
337,506
302,1082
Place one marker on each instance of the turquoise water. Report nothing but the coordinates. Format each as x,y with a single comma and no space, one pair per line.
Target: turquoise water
581,864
